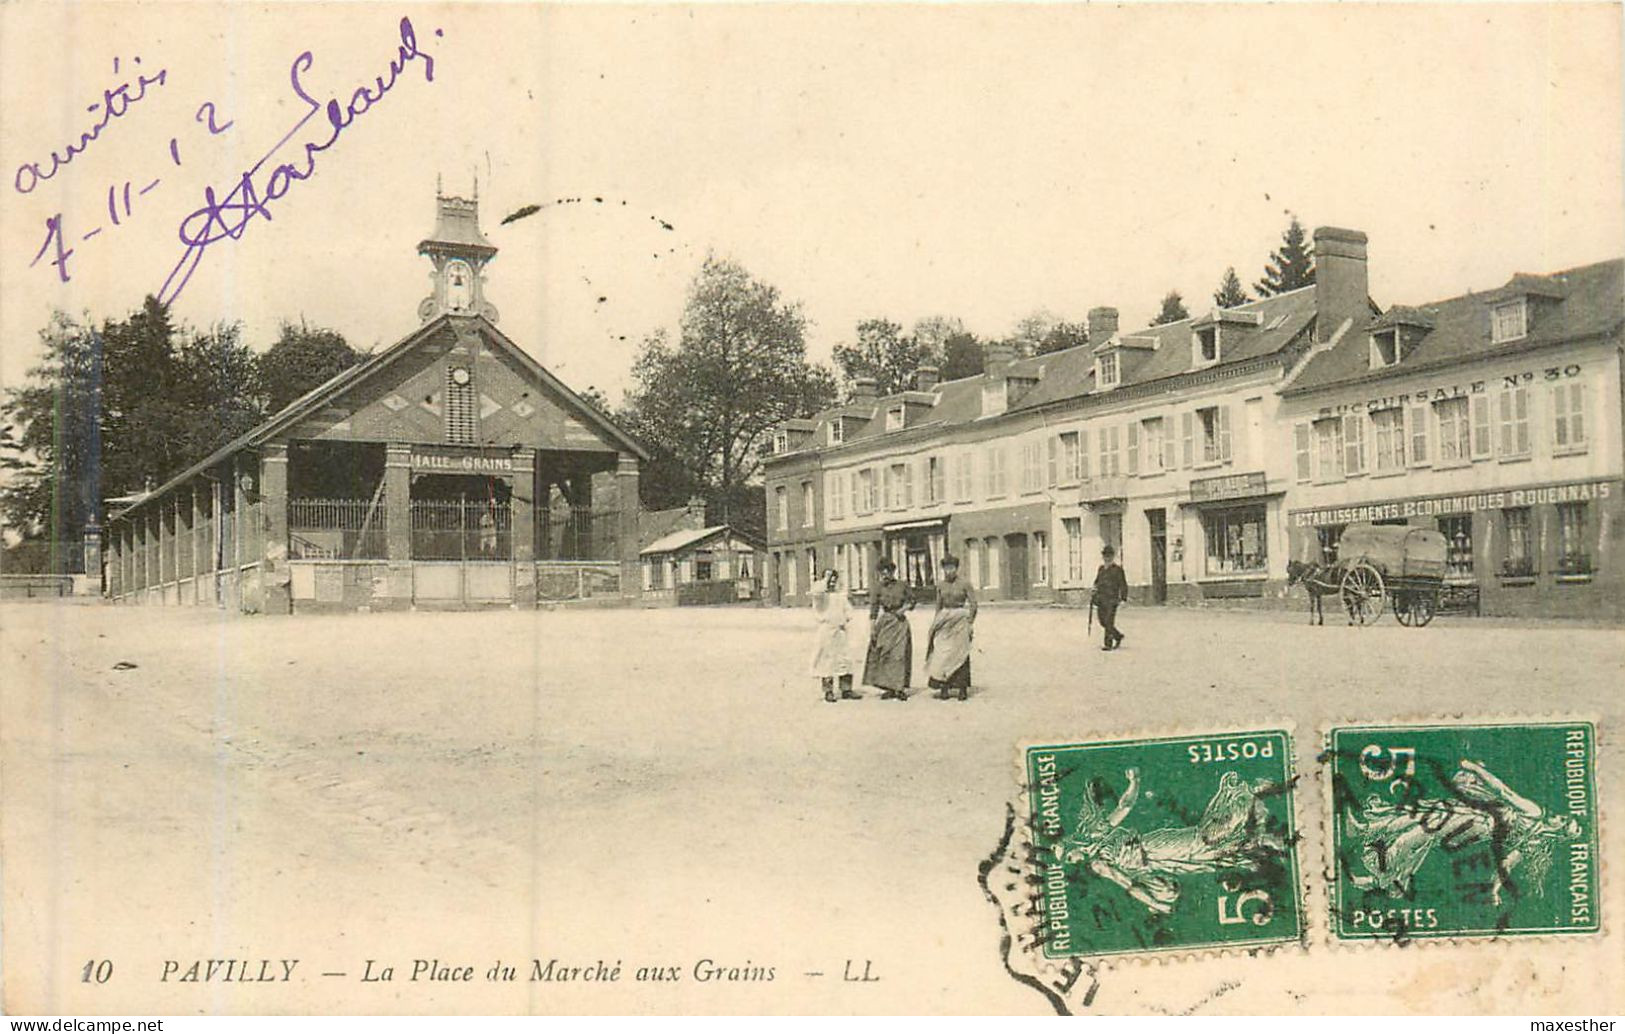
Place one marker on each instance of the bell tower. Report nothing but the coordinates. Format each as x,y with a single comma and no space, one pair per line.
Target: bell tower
459,252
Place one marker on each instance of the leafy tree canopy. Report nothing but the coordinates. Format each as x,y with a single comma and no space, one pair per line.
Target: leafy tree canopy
1173,310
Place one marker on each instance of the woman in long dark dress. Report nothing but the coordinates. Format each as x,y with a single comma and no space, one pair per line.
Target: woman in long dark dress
947,651
891,642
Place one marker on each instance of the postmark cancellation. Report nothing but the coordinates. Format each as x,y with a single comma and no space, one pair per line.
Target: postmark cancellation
1462,830
1170,844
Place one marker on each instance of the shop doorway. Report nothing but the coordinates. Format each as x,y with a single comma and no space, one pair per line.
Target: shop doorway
1158,520
1015,555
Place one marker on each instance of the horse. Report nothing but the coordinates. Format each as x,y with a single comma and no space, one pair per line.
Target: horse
1319,580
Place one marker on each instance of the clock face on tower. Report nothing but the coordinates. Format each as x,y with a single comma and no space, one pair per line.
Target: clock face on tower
459,286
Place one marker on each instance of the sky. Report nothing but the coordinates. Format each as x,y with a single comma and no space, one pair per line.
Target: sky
899,162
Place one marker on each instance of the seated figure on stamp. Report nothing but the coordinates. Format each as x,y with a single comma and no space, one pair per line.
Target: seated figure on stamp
1396,839
1231,834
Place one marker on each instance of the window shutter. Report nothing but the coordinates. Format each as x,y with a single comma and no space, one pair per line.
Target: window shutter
1521,414
1480,411
1577,413
1054,460
1187,435
1417,430
1167,437
908,484
1224,433
1303,452
1082,461
1133,447
1353,443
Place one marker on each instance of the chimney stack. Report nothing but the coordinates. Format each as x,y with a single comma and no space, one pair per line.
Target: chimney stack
696,512
998,355
1102,324
865,388
926,377
1342,281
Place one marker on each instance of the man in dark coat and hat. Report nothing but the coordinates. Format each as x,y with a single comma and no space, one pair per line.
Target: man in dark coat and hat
1111,589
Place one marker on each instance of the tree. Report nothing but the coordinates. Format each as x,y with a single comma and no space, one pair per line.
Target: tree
107,412
51,445
302,358
219,391
962,356
739,368
1230,293
1062,336
1031,330
933,332
885,353
1290,266
1173,310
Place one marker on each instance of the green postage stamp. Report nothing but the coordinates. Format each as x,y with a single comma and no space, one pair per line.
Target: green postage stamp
1463,830
1169,844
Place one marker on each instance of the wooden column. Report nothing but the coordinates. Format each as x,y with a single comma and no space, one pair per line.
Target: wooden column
238,524
199,561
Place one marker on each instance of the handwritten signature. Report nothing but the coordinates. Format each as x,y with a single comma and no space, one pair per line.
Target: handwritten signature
221,218
115,103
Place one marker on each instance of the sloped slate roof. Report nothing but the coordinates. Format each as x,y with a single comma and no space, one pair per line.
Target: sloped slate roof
1586,301
1069,373
680,539
683,539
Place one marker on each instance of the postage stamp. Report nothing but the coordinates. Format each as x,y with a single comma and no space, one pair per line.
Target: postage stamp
1459,830
1171,844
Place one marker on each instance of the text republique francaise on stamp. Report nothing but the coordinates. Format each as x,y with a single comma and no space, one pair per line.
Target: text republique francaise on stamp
1165,844
1459,830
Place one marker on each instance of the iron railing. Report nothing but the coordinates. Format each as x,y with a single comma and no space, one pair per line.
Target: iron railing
461,529
337,529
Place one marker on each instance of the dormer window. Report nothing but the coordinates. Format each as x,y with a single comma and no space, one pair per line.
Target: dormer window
1106,371
836,431
894,418
1207,344
1385,347
781,442
1509,321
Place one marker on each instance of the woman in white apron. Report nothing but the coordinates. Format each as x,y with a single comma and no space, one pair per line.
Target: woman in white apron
832,658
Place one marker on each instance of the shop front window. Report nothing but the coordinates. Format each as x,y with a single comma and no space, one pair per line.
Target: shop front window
1328,535
1519,561
1458,545
1235,541
1572,555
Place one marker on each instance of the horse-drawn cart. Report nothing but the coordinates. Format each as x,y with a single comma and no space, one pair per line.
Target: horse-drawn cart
1391,562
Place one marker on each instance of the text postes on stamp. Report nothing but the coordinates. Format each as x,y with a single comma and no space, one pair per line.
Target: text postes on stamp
1168,844
1463,830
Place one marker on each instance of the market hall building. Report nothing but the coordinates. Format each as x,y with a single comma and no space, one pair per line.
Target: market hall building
449,470
1493,417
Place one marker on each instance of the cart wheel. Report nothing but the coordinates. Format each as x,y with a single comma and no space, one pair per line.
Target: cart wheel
1403,604
1362,593
1422,610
